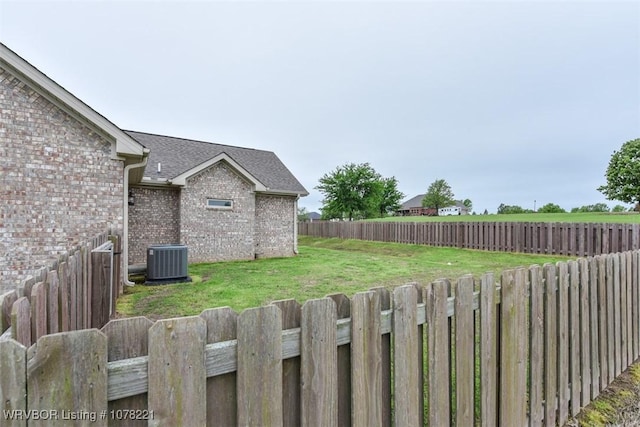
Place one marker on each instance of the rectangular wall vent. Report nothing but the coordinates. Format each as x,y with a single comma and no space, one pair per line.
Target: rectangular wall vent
166,262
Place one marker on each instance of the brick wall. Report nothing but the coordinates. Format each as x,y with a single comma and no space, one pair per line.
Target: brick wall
153,219
275,222
217,234
59,185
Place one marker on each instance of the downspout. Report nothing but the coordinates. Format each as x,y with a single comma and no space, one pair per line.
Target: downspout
125,229
295,225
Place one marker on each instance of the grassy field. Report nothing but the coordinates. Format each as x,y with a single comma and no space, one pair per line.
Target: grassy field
626,218
323,266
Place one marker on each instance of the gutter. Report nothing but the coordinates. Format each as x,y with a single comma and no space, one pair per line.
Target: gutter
125,201
295,226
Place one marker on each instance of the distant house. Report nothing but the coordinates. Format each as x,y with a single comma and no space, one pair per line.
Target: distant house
314,216
413,207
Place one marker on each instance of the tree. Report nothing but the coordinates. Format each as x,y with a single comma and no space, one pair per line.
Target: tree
623,174
303,214
390,197
618,208
439,195
509,209
551,208
598,207
352,191
468,204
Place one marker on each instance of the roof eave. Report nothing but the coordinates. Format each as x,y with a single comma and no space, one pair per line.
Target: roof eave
181,180
123,144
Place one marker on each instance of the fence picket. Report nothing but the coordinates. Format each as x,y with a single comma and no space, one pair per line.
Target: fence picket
77,358
465,351
574,361
536,346
563,342
594,327
128,338
513,349
53,302
551,343
6,302
177,375
319,362
611,322
343,309
13,381
259,374
435,296
38,311
385,346
366,351
603,308
585,325
405,356
21,321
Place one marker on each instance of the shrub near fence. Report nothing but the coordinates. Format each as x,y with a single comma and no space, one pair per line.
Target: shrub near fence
531,350
583,239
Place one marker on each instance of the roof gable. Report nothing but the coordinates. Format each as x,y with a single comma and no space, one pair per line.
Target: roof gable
123,145
172,160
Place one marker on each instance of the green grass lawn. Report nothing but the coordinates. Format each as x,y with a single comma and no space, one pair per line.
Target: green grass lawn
323,266
626,218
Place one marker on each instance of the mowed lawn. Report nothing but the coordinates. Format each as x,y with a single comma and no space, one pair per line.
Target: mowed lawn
603,217
324,266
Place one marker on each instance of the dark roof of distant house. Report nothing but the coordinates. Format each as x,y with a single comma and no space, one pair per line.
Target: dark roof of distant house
314,216
414,202
179,155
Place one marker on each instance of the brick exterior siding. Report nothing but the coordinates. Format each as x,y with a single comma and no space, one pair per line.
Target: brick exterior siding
59,183
275,222
257,225
214,234
153,219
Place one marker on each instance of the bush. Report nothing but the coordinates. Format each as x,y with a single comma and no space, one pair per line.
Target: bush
551,208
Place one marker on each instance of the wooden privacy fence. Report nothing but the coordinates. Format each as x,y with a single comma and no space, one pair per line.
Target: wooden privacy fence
531,350
77,291
583,239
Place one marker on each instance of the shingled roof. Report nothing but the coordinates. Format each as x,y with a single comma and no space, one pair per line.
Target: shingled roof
178,156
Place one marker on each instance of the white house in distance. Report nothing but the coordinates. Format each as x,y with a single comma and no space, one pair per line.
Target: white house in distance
414,206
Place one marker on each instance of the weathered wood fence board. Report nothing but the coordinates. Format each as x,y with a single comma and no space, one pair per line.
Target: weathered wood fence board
177,378
68,372
59,295
529,351
585,239
13,380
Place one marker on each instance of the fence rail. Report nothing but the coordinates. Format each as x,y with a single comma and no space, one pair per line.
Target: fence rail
77,291
579,239
530,350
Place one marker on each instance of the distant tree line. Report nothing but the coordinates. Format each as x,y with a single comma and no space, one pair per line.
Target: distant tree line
554,208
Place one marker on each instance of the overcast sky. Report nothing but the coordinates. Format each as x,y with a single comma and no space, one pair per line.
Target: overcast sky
509,102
